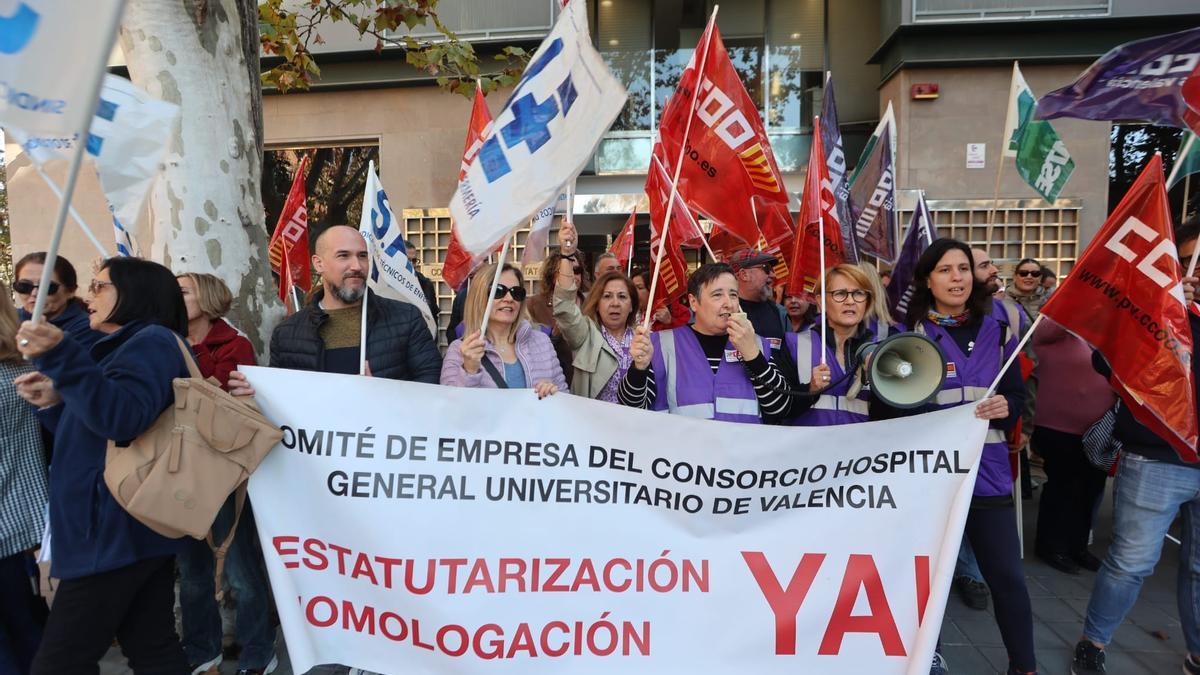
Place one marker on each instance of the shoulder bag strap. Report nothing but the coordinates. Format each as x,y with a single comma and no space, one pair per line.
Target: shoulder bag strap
193,370
492,372
219,552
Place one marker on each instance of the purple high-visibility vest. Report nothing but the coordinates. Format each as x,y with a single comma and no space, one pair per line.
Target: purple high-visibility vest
685,384
833,406
967,380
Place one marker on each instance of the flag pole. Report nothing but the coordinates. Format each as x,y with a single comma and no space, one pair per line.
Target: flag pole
995,199
362,315
487,309
632,240
79,220
925,221
1020,345
1183,151
687,128
821,251
93,99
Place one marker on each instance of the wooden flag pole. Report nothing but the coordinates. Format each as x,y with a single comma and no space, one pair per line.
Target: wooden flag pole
662,237
1020,345
362,332
60,219
995,199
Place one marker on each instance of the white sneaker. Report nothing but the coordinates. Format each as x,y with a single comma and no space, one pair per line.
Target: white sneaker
209,665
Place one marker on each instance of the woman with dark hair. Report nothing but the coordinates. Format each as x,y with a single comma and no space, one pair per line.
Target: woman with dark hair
1026,288
955,311
117,576
219,350
600,336
62,308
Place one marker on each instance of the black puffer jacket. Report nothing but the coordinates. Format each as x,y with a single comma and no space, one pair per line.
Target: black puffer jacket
399,346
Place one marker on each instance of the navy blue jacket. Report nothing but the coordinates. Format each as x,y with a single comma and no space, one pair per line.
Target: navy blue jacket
74,322
117,392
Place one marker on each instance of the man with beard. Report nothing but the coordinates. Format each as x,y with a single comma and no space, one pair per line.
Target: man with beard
755,272
325,335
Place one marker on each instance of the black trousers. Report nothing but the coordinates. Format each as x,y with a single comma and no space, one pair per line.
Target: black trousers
992,531
20,627
1072,487
135,604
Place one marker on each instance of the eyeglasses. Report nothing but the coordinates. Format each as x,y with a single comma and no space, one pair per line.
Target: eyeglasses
96,286
27,287
517,292
1029,273
841,294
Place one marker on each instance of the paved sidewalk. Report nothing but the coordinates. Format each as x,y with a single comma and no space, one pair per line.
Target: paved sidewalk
1149,643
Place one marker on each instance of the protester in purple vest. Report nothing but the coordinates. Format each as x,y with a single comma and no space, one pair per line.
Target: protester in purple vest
514,354
715,368
848,295
955,311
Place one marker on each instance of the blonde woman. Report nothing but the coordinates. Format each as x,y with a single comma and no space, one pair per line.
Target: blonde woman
218,347
514,354
601,334
22,501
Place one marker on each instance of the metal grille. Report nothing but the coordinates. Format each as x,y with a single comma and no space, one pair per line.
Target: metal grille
983,10
429,231
1023,228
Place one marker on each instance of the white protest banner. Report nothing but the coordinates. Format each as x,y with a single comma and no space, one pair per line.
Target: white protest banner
392,273
50,52
127,141
544,136
417,529
539,229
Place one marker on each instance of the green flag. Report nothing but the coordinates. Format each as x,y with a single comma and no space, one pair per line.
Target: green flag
1187,160
1042,158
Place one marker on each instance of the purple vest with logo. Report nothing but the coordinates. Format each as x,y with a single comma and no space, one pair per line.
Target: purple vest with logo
832,406
685,384
967,380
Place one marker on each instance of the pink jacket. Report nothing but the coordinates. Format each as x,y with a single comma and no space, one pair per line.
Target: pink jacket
1071,394
534,351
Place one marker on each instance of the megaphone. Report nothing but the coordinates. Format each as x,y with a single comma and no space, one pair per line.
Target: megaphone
906,370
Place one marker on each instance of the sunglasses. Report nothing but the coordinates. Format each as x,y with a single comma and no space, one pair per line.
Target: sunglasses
27,287
517,292
1029,273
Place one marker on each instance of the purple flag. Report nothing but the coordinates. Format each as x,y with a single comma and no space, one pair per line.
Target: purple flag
1139,80
873,197
835,161
919,237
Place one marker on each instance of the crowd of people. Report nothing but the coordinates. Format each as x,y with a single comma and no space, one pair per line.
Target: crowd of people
728,349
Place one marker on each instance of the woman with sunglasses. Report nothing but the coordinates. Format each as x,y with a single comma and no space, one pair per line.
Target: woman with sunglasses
600,335
848,297
62,308
117,577
513,354
1026,289
956,312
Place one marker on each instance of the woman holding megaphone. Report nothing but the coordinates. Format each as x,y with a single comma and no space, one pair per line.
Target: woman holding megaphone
955,311
829,372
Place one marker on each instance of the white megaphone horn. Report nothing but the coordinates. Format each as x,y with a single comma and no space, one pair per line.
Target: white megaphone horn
906,370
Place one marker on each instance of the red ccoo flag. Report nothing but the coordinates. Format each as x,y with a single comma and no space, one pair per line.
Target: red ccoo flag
684,228
1125,298
818,212
728,160
459,264
622,246
290,240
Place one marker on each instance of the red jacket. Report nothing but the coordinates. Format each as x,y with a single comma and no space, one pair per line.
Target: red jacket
222,351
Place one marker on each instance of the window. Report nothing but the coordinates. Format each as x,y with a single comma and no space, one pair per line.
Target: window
777,47
493,20
983,10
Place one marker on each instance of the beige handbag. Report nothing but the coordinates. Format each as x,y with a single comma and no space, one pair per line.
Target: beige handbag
175,477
